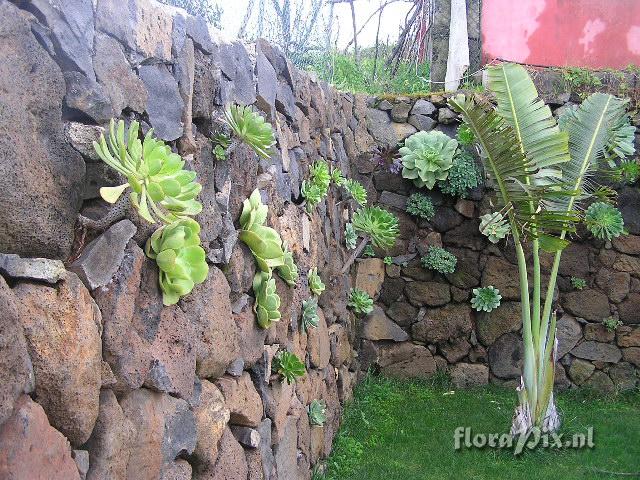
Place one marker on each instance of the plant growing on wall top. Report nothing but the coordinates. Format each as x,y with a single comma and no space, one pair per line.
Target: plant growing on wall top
420,206
604,221
541,173
251,128
427,157
161,190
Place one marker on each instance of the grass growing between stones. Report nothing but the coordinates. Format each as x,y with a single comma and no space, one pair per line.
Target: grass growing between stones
404,430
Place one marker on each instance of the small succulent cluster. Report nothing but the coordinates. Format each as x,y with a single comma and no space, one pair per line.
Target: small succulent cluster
315,282
420,206
350,236
486,299
438,259
388,260
317,412
251,128
161,190
360,302
628,171
314,189
463,177
427,157
180,258
611,323
337,177
289,366
368,251
465,135
270,253
604,221
378,224
310,317
356,190
578,283
220,144
494,226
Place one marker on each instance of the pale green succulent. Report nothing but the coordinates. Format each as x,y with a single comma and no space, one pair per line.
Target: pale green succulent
360,302
267,304
438,259
578,283
611,323
427,157
265,243
289,366
180,258
251,128
465,135
350,236
494,226
604,221
220,144
288,271
378,224
388,260
310,317
356,190
161,190
315,282
315,188
317,411
486,299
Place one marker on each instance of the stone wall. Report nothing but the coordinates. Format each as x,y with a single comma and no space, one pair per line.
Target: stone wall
97,378
423,321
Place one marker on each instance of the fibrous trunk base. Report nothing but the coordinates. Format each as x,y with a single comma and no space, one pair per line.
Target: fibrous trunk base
523,421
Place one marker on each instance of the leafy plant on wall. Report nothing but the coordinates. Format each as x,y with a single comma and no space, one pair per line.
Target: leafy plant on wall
270,253
541,172
161,190
251,128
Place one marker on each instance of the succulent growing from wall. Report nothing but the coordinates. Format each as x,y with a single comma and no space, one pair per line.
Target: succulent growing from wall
350,236
378,224
360,302
267,304
180,258
438,259
356,190
314,189
368,251
317,411
288,271
463,176
465,135
310,317
337,177
161,190
604,221
315,282
288,365
427,157
486,299
251,128
494,226
578,283
388,260
627,171
265,243
420,206
220,144
611,323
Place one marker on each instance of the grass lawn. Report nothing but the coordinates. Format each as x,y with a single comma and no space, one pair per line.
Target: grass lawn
404,430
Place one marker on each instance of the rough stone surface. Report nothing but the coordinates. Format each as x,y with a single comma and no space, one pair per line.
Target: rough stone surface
164,103
506,318
602,352
432,294
442,324
370,275
629,309
465,375
589,304
318,343
39,269
506,355
411,361
62,326
377,326
504,276
31,448
580,371
231,463
40,173
568,334
211,417
241,399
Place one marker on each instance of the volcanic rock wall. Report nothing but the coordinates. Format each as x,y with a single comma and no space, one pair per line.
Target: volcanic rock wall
98,380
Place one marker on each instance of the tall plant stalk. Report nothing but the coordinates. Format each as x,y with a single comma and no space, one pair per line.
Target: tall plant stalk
542,174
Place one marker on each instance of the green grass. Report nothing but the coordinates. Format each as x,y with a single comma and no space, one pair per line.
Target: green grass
404,430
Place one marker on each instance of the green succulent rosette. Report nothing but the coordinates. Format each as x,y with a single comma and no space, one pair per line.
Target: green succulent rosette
379,224
180,258
356,190
267,304
288,271
317,412
427,157
251,128
289,366
161,190
310,317
254,212
315,282
604,221
494,226
486,299
360,302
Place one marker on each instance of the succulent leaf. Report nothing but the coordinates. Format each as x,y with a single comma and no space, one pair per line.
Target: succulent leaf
604,221
251,128
464,176
288,271
317,411
420,206
494,226
315,282
486,299
350,236
267,304
360,302
310,317
289,366
379,224
438,259
356,190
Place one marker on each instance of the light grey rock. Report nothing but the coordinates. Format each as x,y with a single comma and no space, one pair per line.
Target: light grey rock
422,122
165,103
101,259
423,107
377,326
81,457
88,97
249,437
41,269
602,352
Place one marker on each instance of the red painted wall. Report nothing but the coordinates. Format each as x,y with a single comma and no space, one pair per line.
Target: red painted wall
585,33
